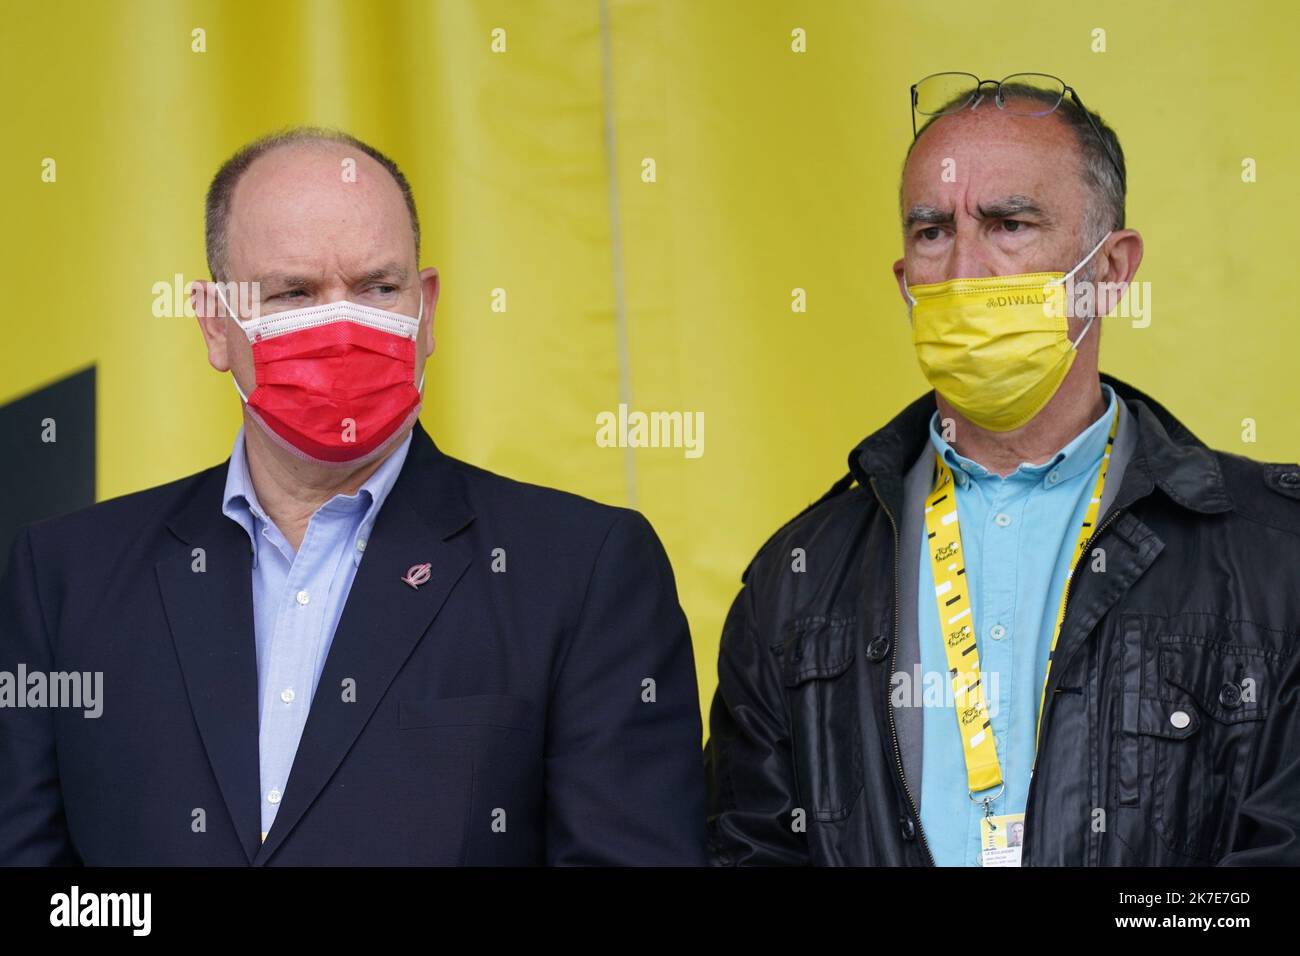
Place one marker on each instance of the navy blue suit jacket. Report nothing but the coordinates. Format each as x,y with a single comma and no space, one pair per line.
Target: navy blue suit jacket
547,714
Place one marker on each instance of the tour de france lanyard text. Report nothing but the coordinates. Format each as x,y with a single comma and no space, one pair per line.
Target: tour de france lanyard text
956,619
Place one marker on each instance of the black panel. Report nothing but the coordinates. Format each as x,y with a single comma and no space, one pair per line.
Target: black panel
39,479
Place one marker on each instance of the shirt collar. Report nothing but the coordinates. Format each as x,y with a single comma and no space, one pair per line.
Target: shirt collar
239,500
240,504
1078,456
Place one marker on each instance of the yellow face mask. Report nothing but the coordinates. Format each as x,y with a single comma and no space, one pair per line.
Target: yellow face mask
999,347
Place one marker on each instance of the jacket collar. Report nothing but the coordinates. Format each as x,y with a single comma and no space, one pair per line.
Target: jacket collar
1166,454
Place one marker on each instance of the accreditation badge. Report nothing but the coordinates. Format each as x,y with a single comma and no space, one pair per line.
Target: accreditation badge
1001,839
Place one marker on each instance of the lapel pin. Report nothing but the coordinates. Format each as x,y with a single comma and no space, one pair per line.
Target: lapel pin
417,574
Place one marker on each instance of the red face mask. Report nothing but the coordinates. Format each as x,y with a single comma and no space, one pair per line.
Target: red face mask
334,382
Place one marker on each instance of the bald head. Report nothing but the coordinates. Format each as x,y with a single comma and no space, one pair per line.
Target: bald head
295,170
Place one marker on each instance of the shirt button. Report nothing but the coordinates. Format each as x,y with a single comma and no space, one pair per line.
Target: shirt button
1002,519
273,796
303,597
1053,477
361,544
997,632
961,479
286,695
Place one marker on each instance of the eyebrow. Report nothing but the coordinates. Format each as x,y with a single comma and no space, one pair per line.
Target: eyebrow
1004,208
287,280
390,270
1016,205
928,214
283,279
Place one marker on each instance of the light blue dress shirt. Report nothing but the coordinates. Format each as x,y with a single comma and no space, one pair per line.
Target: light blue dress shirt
1018,535
297,601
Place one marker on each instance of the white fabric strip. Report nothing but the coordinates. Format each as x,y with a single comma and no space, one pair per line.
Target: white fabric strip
282,323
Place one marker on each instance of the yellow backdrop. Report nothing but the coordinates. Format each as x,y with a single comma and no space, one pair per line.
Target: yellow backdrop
774,170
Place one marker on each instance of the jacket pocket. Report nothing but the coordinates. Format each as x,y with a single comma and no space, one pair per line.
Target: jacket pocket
1201,726
821,692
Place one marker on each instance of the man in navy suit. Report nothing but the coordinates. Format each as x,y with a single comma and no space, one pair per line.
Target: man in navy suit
341,646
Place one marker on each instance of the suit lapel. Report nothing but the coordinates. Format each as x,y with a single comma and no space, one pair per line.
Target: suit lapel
383,620
210,613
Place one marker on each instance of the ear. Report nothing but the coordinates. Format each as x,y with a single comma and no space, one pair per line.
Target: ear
430,287
1120,260
901,278
212,322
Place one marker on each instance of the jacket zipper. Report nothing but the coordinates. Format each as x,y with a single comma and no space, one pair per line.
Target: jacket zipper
893,666
1069,583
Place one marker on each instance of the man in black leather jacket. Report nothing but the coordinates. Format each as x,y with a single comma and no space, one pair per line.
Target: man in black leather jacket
1170,723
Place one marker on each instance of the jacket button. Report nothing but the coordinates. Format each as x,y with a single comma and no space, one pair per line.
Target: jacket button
1180,719
878,648
1230,695
909,829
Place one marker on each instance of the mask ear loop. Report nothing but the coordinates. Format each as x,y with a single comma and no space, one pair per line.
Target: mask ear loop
418,319
911,302
222,296
1087,325
1082,262
233,314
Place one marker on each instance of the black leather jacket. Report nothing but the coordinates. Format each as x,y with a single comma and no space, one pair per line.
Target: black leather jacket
1197,610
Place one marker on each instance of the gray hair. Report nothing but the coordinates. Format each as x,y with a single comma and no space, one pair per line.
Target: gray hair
223,184
1106,212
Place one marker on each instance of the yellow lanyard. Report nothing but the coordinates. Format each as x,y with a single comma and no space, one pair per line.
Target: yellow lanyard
956,620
